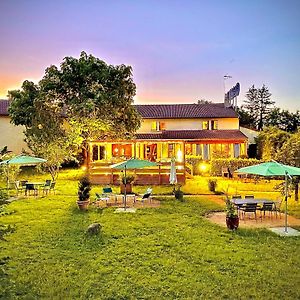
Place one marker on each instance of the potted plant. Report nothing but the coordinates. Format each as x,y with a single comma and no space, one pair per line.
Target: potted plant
178,193
129,179
232,218
84,188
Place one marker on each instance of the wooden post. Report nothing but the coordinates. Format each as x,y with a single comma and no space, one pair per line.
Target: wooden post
159,174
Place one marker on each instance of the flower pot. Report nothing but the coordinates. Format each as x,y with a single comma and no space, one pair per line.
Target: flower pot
83,205
232,222
128,188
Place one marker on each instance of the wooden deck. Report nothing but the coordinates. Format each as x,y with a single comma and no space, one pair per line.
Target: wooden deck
101,173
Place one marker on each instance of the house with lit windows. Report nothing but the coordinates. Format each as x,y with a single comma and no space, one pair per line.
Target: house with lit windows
181,131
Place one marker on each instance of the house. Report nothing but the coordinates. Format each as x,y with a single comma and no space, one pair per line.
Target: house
182,131
10,135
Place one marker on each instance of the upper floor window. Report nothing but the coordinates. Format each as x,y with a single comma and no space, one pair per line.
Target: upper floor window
205,125
212,125
158,126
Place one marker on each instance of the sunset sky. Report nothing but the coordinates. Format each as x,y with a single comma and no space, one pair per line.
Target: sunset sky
179,50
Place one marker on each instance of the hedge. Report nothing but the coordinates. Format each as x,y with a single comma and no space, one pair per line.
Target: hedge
231,163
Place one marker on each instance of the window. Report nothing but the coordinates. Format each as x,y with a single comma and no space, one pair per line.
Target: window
205,125
213,124
171,149
157,126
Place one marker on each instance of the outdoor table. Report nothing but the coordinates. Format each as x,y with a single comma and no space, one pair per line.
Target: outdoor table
251,200
128,196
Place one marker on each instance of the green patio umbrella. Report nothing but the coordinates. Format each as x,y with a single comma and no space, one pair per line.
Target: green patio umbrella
23,160
273,168
132,163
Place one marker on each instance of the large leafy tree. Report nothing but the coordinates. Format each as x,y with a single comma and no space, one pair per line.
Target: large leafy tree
82,100
283,119
258,104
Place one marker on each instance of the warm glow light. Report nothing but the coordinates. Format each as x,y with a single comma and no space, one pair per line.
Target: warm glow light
83,168
203,167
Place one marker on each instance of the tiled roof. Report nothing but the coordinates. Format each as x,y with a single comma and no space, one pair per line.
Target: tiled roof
172,111
193,135
4,104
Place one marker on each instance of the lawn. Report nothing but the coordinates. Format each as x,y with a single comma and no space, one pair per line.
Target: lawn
170,252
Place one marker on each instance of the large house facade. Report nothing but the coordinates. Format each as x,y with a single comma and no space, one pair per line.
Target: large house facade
181,131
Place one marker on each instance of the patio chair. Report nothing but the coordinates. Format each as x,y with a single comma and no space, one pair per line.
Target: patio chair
107,191
225,172
47,186
146,196
277,205
101,198
52,187
30,188
237,205
19,187
267,206
249,208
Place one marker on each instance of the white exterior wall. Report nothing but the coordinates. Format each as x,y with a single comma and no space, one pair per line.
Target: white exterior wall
11,136
188,124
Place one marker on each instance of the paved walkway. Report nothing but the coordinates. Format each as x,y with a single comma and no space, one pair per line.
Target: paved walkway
267,222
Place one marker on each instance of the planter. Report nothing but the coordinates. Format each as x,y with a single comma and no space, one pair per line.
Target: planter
83,205
232,222
128,188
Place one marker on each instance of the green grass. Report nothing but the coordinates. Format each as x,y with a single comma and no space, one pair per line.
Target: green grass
171,252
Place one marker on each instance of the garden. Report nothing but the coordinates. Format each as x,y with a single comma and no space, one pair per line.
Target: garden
168,252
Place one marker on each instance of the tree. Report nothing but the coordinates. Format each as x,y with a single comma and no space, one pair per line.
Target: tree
84,99
245,118
258,104
270,142
283,119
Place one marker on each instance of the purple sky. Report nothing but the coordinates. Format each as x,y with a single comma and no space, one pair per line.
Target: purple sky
179,50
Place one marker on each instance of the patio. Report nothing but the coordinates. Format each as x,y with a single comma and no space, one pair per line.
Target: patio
220,219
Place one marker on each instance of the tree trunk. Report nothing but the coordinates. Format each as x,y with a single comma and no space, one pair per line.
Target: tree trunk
296,189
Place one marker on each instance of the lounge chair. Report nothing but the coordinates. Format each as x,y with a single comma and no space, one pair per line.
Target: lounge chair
107,192
100,198
146,196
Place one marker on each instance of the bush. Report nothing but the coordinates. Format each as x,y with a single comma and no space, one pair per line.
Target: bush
212,184
195,161
231,163
178,194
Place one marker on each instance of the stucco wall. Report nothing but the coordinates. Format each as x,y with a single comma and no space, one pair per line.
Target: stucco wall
11,136
188,124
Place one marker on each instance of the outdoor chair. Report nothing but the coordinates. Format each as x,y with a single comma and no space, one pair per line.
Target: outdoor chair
146,196
47,186
225,172
101,198
267,206
277,205
248,208
107,192
238,206
19,187
30,188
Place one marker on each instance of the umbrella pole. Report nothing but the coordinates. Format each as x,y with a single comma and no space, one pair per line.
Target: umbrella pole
125,183
285,199
7,180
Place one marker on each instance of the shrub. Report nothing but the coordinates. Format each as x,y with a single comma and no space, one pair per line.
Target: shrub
212,184
178,194
232,164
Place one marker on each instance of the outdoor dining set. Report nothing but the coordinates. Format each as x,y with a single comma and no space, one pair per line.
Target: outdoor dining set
110,199
251,205
34,188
